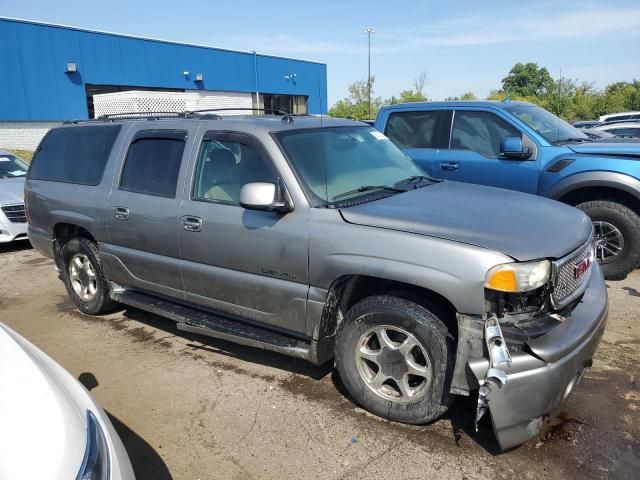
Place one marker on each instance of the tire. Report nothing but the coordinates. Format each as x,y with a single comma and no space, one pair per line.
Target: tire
605,214
97,301
431,399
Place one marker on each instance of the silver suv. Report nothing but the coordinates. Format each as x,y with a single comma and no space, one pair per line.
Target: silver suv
319,239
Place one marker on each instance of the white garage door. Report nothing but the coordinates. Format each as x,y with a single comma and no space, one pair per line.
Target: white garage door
136,101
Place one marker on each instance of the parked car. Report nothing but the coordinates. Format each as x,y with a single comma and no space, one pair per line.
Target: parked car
598,135
50,426
319,238
621,129
13,222
586,124
614,117
520,146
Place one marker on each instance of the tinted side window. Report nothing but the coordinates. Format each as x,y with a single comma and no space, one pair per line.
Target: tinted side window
481,132
153,163
74,154
224,167
412,129
624,132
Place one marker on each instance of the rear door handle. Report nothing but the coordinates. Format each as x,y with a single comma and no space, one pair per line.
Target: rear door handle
121,213
191,223
450,166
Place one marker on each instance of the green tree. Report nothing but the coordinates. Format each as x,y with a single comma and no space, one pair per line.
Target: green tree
526,80
415,94
464,96
356,105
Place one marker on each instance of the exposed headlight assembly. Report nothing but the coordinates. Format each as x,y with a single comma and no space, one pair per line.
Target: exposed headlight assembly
95,465
518,277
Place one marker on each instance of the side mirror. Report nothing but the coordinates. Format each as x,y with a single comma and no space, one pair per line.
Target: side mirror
264,196
511,147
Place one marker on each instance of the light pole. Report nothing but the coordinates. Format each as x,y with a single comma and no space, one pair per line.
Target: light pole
369,31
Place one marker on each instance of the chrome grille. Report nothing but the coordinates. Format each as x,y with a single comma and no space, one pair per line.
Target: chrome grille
15,213
566,287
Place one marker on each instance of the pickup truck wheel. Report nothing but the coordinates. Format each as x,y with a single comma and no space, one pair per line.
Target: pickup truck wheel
395,358
617,230
84,278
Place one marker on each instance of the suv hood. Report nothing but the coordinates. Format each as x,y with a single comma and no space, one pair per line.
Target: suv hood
11,190
523,226
627,149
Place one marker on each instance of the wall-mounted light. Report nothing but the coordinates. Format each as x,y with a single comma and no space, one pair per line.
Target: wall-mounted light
199,77
71,67
291,77
186,73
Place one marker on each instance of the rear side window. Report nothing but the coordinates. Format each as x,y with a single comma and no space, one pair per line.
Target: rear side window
153,162
74,154
416,129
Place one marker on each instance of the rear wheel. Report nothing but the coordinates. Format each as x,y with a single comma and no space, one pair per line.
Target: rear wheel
84,277
617,230
395,358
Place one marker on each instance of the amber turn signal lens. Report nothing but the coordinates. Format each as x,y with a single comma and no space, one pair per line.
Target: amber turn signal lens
503,281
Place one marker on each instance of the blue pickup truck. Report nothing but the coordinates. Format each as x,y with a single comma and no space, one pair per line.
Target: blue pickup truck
520,146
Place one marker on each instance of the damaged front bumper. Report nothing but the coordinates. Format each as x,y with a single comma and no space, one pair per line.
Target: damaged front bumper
521,388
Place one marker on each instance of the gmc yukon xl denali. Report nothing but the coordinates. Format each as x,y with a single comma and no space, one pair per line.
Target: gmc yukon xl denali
523,147
318,238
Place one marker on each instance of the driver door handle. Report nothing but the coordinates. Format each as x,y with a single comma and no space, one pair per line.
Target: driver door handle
450,166
191,223
121,213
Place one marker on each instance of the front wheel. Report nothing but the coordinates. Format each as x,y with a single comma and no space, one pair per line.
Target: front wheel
395,358
84,278
617,230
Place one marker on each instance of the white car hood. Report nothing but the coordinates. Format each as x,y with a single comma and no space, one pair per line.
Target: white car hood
11,190
42,433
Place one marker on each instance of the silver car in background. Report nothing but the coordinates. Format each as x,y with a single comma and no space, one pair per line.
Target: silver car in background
13,221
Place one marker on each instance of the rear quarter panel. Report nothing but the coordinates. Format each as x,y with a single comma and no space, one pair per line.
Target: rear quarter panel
49,203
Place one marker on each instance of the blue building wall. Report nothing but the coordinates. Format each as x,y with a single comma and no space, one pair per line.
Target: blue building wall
34,85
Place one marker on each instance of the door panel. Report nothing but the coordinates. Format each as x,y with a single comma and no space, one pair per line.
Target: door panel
143,212
245,263
474,155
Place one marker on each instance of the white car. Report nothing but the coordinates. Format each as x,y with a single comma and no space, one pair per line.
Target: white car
50,425
13,221
615,117
621,129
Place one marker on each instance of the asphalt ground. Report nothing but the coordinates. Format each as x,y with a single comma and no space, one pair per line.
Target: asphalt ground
192,407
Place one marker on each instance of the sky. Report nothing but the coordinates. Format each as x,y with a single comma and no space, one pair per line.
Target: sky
460,45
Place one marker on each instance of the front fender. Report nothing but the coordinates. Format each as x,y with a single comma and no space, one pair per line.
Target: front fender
454,270
619,181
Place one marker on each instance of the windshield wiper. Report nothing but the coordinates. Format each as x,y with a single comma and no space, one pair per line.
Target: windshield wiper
416,181
573,139
367,188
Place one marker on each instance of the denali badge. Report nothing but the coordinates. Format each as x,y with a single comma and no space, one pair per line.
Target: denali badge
581,268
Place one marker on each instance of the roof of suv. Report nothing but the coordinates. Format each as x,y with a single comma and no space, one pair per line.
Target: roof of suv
460,103
271,123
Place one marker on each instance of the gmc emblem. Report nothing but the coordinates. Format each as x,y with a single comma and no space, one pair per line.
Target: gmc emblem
581,268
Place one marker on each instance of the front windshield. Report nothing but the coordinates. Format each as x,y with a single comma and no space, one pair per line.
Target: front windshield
11,166
552,128
334,161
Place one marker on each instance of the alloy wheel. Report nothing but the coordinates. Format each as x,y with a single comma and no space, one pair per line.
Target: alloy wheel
609,241
393,363
83,277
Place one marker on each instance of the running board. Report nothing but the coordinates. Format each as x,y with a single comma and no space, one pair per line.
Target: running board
197,321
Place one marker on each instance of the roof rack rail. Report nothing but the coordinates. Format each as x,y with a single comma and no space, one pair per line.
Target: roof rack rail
274,111
140,115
